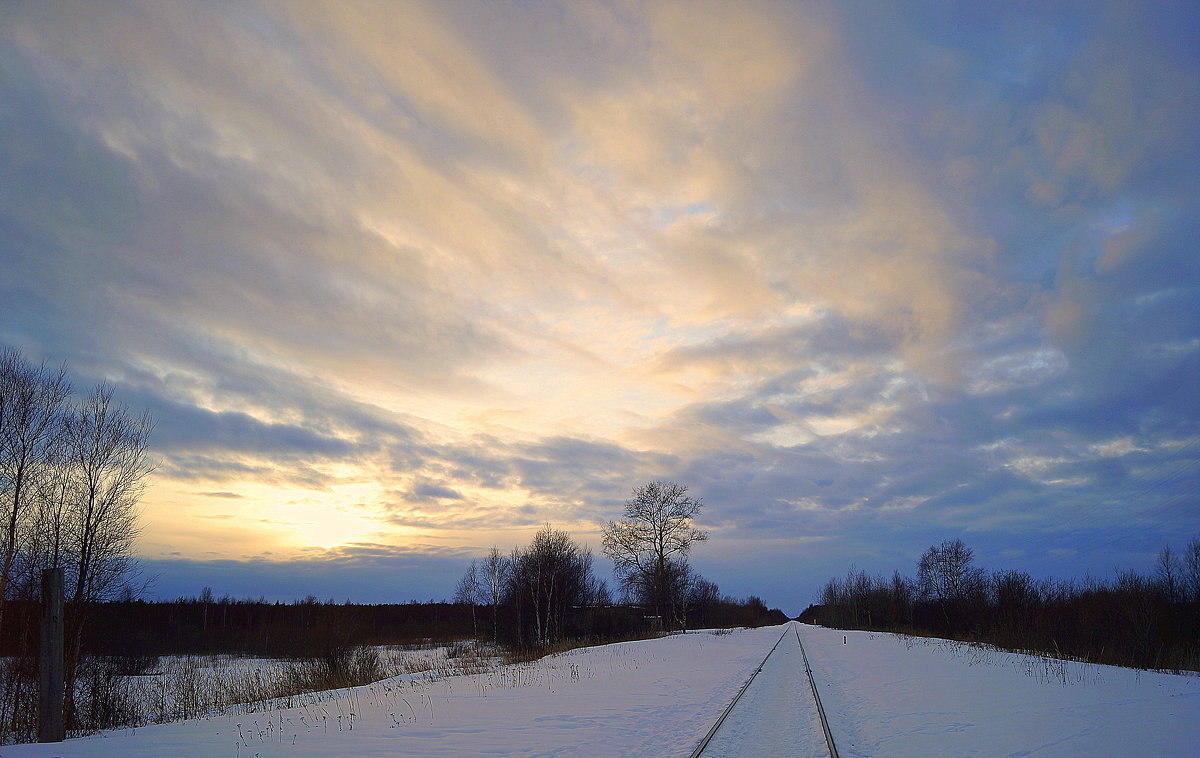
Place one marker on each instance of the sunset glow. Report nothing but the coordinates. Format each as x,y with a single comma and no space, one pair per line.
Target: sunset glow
399,281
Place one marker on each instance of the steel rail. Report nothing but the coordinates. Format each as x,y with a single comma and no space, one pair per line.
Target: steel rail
833,753
704,742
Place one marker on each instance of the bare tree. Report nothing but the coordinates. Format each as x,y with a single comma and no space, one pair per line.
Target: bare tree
470,592
945,573
702,597
654,538
1170,574
547,579
1191,570
107,449
496,570
45,543
70,478
601,598
681,579
32,399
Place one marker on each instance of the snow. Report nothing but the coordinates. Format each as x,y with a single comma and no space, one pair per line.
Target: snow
652,698
188,685
777,715
884,696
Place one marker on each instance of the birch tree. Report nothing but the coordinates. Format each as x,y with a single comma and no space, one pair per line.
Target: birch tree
546,580
496,570
469,591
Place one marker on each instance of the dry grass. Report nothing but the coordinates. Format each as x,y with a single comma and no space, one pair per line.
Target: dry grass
187,687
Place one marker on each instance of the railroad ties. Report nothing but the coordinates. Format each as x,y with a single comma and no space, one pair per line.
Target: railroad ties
776,712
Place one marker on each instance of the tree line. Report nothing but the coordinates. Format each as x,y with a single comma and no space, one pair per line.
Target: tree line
137,632
72,470
1138,620
539,595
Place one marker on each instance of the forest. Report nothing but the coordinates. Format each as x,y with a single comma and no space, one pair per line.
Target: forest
1136,620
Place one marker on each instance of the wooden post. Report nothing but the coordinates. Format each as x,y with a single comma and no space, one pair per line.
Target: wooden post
50,662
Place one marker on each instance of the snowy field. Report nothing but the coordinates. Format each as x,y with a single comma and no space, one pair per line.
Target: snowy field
891,696
183,687
884,696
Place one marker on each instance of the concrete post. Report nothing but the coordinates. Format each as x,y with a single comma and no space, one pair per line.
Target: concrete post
50,662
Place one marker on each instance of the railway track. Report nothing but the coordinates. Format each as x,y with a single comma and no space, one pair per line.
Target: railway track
778,714
812,683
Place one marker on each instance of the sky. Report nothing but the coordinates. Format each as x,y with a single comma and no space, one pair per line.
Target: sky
400,281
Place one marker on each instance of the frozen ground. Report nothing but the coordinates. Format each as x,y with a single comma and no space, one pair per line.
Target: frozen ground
884,695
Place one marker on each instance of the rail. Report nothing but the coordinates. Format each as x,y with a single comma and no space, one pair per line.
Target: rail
833,753
704,743
811,683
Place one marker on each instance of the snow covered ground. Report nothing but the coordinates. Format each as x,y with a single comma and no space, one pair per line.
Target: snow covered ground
884,696
182,687
777,716
651,698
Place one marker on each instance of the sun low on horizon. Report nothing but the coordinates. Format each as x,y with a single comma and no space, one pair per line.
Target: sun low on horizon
401,281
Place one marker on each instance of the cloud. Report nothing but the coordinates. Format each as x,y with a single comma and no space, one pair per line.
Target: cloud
437,275
434,492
